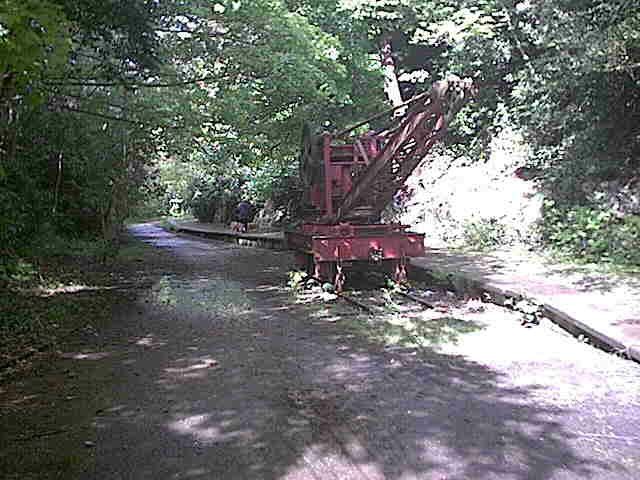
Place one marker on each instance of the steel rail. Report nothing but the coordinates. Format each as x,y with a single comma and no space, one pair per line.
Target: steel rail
417,299
357,303
373,310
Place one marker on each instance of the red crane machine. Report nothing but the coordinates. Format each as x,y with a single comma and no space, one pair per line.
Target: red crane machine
349,180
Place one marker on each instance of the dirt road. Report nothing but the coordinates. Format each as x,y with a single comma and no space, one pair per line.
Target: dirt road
212,370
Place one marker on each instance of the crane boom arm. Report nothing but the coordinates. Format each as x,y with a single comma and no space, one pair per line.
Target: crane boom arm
423,125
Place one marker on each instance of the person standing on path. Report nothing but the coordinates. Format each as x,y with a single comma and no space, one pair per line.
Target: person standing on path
243,214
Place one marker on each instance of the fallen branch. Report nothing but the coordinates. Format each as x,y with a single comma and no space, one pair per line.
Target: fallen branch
48,433
23,356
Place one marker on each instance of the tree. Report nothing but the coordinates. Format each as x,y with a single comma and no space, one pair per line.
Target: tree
227,85
267,68
32,41
66,68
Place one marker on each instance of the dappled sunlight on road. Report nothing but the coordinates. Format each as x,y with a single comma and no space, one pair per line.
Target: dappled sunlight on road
265,288
212,373
149,341
86,355
196,368
333,407
201,428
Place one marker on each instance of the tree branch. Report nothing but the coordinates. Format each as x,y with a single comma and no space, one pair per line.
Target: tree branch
101,115
633,66
190,32
128,108
126,120
133,84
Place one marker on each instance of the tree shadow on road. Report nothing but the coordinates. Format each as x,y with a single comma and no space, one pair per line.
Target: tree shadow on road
274,398
275,394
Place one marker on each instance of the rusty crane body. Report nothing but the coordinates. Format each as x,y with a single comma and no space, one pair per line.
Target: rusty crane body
349,180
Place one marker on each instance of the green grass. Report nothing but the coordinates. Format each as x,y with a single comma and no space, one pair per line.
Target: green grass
134,251
39,300
414,332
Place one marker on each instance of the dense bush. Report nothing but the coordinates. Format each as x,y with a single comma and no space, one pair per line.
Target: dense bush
485,234
214,201
592,234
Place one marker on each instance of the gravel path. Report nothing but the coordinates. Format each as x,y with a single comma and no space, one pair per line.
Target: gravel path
217,372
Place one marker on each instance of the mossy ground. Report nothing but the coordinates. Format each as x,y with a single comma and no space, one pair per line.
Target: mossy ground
49,296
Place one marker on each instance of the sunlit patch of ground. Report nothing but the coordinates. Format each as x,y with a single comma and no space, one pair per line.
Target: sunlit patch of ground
400,322
221,296
481,332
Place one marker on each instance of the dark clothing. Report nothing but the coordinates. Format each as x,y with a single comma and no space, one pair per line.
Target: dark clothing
243,211
243,214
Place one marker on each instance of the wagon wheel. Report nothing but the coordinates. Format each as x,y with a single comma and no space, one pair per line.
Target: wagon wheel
398,270
310,265
340,278
401,270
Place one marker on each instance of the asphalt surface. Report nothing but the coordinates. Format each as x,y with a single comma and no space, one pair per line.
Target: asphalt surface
216,372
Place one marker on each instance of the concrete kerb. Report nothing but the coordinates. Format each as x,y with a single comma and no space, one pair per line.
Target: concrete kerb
459,283
466,285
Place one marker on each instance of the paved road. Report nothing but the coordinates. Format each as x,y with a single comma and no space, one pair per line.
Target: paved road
215,372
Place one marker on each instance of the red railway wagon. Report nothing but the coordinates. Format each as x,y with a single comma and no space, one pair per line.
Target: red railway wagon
350,180
325,250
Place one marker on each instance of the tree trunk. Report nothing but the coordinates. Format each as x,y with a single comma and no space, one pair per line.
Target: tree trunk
391,85
8,115
56,192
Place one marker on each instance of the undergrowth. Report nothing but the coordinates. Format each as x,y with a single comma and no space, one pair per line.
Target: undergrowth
592,235
43,295
485,234
576,234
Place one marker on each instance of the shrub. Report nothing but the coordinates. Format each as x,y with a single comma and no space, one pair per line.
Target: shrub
484,234
213,200
592,234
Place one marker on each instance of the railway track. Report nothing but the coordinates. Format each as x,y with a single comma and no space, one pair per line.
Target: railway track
375,302
380,301
407,319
